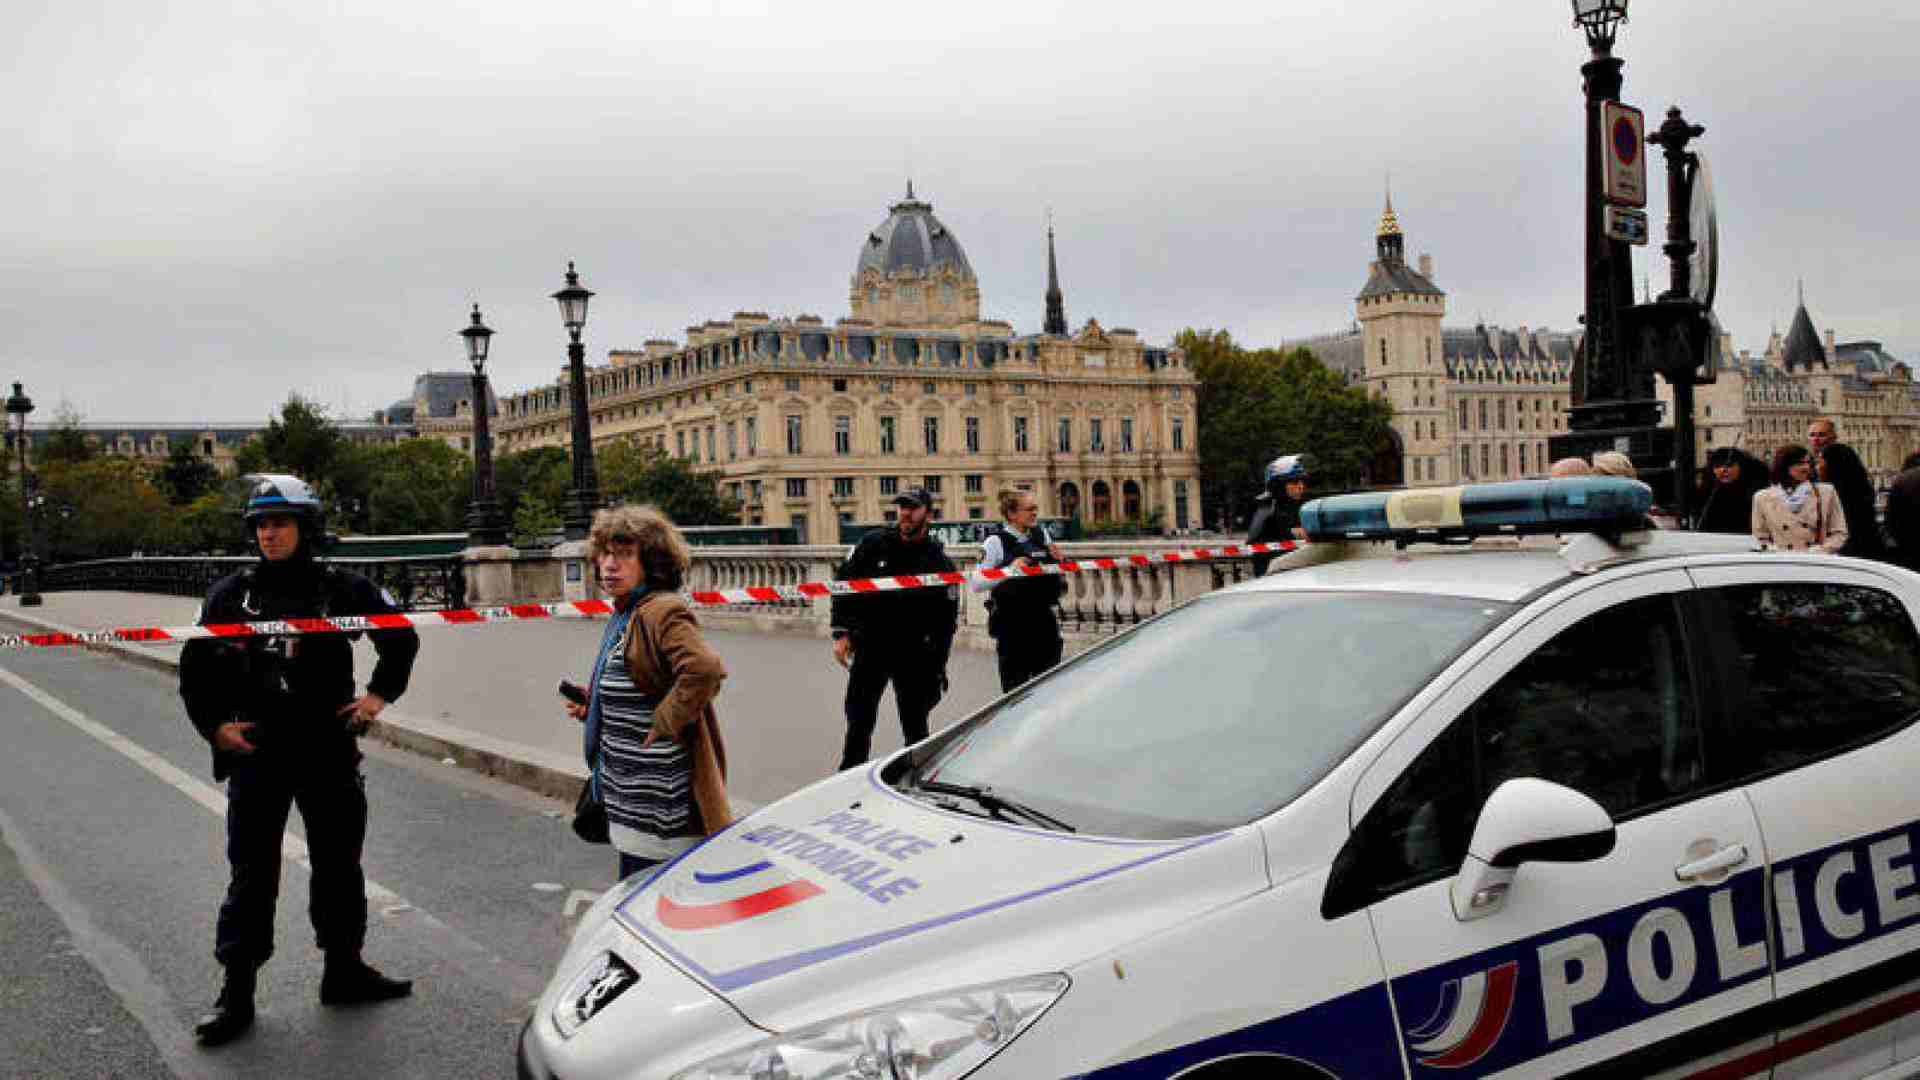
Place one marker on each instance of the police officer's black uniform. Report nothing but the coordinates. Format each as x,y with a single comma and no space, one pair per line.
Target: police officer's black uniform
292,689
1020,612
903,636
1275,521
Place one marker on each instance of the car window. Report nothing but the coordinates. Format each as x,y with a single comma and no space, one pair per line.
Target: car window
1607,707
1816,668
1212,715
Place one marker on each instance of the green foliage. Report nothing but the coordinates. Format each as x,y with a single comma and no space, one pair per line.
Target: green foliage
115,511
543,473
1257,404
301,441
185,476
65,443
535,520
417,486
210,525
637,474
9,517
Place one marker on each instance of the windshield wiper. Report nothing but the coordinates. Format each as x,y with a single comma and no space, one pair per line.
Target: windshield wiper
984,796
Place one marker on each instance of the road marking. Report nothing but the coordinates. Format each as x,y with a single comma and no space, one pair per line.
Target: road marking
521,982
119,966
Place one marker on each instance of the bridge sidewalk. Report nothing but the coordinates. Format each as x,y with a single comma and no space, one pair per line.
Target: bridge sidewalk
484,695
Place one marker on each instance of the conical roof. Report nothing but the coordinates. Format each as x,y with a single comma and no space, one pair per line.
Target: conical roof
1803,348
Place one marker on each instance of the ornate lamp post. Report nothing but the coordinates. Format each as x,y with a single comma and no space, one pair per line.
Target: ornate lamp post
18,406
584,499
1610,394
484,527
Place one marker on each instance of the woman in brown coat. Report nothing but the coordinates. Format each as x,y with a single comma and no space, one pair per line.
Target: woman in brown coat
1795,513
652,740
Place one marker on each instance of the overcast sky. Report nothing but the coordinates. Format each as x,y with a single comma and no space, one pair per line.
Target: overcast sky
208,205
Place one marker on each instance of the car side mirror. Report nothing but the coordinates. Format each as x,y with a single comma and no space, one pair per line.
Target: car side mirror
1526,820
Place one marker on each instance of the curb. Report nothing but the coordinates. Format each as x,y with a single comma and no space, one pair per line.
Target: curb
530,767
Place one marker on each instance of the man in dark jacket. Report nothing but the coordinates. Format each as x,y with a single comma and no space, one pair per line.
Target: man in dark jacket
281,715
1840,466
1903,513
902,636
1279,515
1729,502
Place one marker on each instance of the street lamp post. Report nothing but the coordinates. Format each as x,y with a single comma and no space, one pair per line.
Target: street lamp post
484,527
18,406
584,499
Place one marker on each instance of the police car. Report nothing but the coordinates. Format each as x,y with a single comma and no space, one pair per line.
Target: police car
1416,803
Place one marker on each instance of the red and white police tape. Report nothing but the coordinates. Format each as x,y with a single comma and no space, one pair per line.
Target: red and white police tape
587,609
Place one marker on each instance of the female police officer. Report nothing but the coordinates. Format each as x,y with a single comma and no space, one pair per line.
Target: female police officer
282,716
1025,631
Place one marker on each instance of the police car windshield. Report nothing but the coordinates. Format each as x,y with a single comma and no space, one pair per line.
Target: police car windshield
1210,716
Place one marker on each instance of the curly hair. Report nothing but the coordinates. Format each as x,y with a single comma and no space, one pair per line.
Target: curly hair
664,556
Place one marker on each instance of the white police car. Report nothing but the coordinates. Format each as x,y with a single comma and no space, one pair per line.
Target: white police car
1642,803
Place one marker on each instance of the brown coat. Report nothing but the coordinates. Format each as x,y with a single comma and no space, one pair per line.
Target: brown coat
1821,523
669,659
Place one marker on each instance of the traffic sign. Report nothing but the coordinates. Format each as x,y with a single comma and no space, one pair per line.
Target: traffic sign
1623,134
1627,225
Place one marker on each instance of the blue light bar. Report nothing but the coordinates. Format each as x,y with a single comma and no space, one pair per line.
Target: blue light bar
1520,507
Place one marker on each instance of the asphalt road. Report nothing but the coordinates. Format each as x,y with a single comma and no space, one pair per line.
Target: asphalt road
112,866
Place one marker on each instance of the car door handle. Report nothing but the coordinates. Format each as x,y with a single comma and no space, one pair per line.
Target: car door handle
1713,866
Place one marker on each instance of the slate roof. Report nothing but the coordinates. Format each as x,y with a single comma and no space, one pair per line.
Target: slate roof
911,239
1392,276
442,392
1803,348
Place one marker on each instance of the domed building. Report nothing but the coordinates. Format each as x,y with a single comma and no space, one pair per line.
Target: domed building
813,425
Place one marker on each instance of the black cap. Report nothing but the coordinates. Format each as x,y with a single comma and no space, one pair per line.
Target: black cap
918,496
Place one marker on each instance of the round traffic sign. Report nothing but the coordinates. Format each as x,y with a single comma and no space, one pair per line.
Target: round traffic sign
1626,141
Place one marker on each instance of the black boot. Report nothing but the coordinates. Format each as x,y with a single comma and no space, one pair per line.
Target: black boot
349,981
232,1012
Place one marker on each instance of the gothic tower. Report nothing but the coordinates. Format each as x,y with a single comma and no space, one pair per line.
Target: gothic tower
1056,302
1400,310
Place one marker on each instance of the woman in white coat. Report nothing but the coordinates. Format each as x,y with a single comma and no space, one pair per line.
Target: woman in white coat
1796,513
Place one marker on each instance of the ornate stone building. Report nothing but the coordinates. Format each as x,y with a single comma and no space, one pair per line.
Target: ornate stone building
811,425
1469,403
217,443
1760,403
441,408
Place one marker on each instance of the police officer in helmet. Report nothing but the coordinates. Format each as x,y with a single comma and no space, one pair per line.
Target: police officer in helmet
282,716
1279,515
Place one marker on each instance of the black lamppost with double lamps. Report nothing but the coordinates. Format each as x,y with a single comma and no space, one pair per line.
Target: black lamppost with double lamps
484,526
18,406
584,499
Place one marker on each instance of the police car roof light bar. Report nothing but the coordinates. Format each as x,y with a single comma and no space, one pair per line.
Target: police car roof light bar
1600,504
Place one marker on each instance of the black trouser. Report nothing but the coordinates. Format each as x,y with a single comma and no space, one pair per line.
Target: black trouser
916,690
1028,643
332,798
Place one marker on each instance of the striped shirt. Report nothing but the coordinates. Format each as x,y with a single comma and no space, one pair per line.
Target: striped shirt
648,790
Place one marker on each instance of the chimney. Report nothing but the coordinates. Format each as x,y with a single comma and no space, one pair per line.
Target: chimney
1829,342
1426,267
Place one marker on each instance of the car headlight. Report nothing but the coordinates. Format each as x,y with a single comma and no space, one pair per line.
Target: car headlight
937,1037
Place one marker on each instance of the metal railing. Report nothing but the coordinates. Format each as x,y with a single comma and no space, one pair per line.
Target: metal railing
415,583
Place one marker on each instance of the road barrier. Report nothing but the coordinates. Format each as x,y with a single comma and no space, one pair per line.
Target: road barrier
588,609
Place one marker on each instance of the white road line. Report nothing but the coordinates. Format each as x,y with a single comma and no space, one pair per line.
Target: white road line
522,983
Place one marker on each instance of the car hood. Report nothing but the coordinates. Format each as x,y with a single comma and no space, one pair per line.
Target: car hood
849,894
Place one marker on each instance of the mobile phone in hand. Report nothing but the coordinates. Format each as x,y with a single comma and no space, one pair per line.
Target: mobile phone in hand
572,692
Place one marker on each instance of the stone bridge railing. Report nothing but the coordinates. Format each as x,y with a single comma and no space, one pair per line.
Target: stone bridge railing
1096,603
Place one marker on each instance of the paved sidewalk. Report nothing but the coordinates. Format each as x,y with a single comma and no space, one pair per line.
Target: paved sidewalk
484,695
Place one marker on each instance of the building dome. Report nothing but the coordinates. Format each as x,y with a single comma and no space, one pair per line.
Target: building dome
911,239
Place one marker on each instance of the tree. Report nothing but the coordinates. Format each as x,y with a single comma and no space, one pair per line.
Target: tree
1255,405
543,473
535,520
301,441
185,476
115,510
418,486
211,524
646,475
66,442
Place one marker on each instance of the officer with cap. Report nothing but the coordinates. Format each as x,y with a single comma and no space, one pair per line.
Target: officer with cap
1279,515
902,636
282,716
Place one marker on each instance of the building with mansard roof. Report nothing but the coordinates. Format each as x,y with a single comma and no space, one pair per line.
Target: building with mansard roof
1469,403
1762,402
811,425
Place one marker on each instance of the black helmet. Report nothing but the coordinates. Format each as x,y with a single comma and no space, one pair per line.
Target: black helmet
278,493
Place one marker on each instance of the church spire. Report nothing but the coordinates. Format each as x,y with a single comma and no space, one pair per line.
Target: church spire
1056,301
1388,240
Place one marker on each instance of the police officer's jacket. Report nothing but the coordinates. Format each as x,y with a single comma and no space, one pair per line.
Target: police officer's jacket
291,687
1273,522
914,619
1020,596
